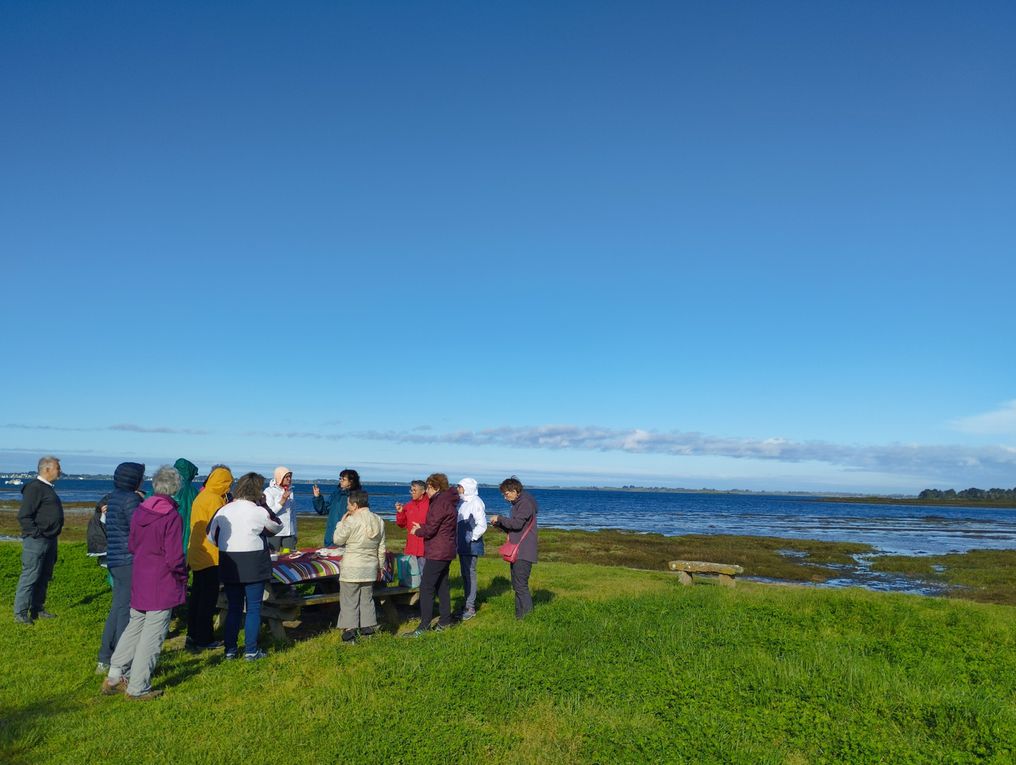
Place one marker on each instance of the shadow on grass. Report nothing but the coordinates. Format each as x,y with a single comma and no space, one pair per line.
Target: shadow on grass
21,728
498,585
543,596
190,665
91,598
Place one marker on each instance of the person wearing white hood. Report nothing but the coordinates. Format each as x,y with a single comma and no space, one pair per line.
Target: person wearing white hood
279,498
362,535
469,530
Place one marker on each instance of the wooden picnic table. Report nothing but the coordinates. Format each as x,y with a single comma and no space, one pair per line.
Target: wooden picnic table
283,602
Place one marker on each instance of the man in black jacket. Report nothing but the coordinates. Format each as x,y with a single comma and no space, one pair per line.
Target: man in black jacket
41,517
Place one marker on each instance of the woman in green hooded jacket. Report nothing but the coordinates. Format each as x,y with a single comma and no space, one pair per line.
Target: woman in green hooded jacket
185,497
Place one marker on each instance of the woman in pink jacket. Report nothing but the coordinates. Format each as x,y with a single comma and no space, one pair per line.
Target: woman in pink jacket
158,584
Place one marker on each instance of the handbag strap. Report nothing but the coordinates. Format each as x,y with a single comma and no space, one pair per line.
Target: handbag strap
532,522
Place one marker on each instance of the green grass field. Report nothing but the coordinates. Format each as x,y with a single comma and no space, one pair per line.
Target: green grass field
614,666
988,576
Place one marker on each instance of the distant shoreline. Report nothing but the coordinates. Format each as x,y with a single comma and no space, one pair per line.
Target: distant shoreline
835,497
874,500
69,479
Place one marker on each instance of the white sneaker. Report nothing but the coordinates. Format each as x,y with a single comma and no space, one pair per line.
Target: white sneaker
101,668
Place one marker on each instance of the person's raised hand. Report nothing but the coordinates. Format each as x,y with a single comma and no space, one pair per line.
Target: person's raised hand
316,489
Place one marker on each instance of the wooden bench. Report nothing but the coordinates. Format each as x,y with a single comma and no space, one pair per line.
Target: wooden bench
284,603
685,570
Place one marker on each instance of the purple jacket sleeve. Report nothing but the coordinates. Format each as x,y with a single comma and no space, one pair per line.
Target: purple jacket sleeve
432,523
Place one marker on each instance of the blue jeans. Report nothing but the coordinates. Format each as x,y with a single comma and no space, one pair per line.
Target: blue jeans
236,594
38,556
119,611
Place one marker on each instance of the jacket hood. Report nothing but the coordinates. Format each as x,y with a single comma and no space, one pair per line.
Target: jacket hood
154,508
280,473
469,489
373,525
186,469
219,481
160,504
129,476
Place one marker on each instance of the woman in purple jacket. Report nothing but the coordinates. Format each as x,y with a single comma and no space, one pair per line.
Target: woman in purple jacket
439,548
158,583
521,529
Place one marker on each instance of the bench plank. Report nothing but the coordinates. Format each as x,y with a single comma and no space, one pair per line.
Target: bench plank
703,567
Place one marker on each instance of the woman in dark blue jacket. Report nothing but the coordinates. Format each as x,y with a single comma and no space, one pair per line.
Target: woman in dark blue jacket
126,496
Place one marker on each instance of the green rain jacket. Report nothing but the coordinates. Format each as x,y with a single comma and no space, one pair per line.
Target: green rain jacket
185,497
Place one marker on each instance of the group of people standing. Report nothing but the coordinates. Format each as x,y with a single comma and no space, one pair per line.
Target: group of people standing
222,533
444,522
217,533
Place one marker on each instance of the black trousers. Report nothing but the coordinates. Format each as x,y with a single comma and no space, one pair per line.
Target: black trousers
521,569
204,597
435,577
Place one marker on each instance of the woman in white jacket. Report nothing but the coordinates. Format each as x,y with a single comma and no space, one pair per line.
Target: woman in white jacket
362,534
279,498
469,531
245,566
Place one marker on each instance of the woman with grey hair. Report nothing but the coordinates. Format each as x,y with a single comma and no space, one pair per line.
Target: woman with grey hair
158,584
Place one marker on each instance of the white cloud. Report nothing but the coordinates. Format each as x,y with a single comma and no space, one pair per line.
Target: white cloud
942,462
124,427
998,422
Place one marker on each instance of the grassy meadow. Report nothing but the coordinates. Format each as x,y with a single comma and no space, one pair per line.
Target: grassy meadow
615,665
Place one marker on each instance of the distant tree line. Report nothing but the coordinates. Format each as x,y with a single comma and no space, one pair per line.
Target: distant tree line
971,495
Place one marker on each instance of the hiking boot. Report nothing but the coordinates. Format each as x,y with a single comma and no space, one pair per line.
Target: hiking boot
367,632
415,633
258,654
112,689
146,696
348,637
442,627
468,614
101,668
23,618
44,614
231,653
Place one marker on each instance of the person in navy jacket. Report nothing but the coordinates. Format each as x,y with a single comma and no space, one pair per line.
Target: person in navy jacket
126,496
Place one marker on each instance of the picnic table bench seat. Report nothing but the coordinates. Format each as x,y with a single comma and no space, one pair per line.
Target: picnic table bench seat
686,569
283,602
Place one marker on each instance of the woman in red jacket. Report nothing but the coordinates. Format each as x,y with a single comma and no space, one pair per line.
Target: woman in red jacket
439,548
414,512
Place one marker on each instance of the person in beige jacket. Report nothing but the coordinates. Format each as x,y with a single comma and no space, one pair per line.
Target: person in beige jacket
362,533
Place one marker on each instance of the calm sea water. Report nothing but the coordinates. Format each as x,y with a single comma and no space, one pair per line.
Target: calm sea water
904,529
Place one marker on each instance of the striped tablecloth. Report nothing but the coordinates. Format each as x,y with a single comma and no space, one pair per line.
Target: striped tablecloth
307,565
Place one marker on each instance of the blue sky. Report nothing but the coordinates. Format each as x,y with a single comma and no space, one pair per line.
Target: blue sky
727,245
